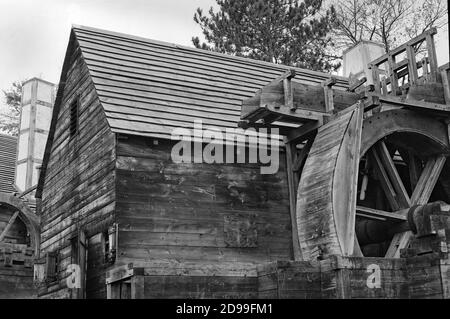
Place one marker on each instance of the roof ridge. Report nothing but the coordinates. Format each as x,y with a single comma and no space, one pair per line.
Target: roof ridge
202,52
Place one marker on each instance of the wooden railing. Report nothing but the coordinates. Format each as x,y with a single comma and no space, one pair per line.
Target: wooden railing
399,75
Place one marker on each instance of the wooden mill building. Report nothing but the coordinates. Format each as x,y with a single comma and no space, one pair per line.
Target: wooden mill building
139,225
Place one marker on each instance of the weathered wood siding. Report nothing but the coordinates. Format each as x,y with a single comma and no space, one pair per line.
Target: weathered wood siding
16,282
79,183
204,213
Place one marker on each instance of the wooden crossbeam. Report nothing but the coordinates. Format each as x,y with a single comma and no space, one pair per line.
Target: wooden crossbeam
8,226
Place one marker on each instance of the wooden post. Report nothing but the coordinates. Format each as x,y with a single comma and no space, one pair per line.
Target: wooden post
376,78
432,57
292,200
412,65
288,94
446,85
424,63
138,284
393,75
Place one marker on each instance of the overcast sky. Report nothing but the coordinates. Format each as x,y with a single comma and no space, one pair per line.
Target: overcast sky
34,33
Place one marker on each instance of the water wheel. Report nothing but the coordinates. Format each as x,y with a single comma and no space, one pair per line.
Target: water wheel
363,176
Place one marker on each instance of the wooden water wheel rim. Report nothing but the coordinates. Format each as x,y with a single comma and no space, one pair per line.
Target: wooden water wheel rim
388,125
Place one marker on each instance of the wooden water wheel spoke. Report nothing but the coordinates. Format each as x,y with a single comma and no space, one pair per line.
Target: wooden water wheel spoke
382,215
421,195
428,180
402,196
385,181
415,168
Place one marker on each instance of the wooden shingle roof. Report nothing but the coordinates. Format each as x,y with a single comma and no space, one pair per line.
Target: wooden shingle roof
8,151
149,87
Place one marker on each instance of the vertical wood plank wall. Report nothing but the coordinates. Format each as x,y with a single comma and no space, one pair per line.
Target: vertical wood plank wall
182,212
79,183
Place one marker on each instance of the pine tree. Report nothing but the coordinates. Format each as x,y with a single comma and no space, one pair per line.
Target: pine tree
10,115
289,32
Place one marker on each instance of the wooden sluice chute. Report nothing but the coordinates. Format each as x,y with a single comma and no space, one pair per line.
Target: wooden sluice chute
363,160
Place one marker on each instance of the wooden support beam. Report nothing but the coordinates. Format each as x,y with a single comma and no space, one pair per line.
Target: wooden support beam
288,94
301,133
424,63
283,130
300,159
8,226
297,114
393,74
432,57
371,102
290,74
384,86
415,170
376,78
412,65
381,214
402,196
403,102
428,180
446,85
292,201
328,93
